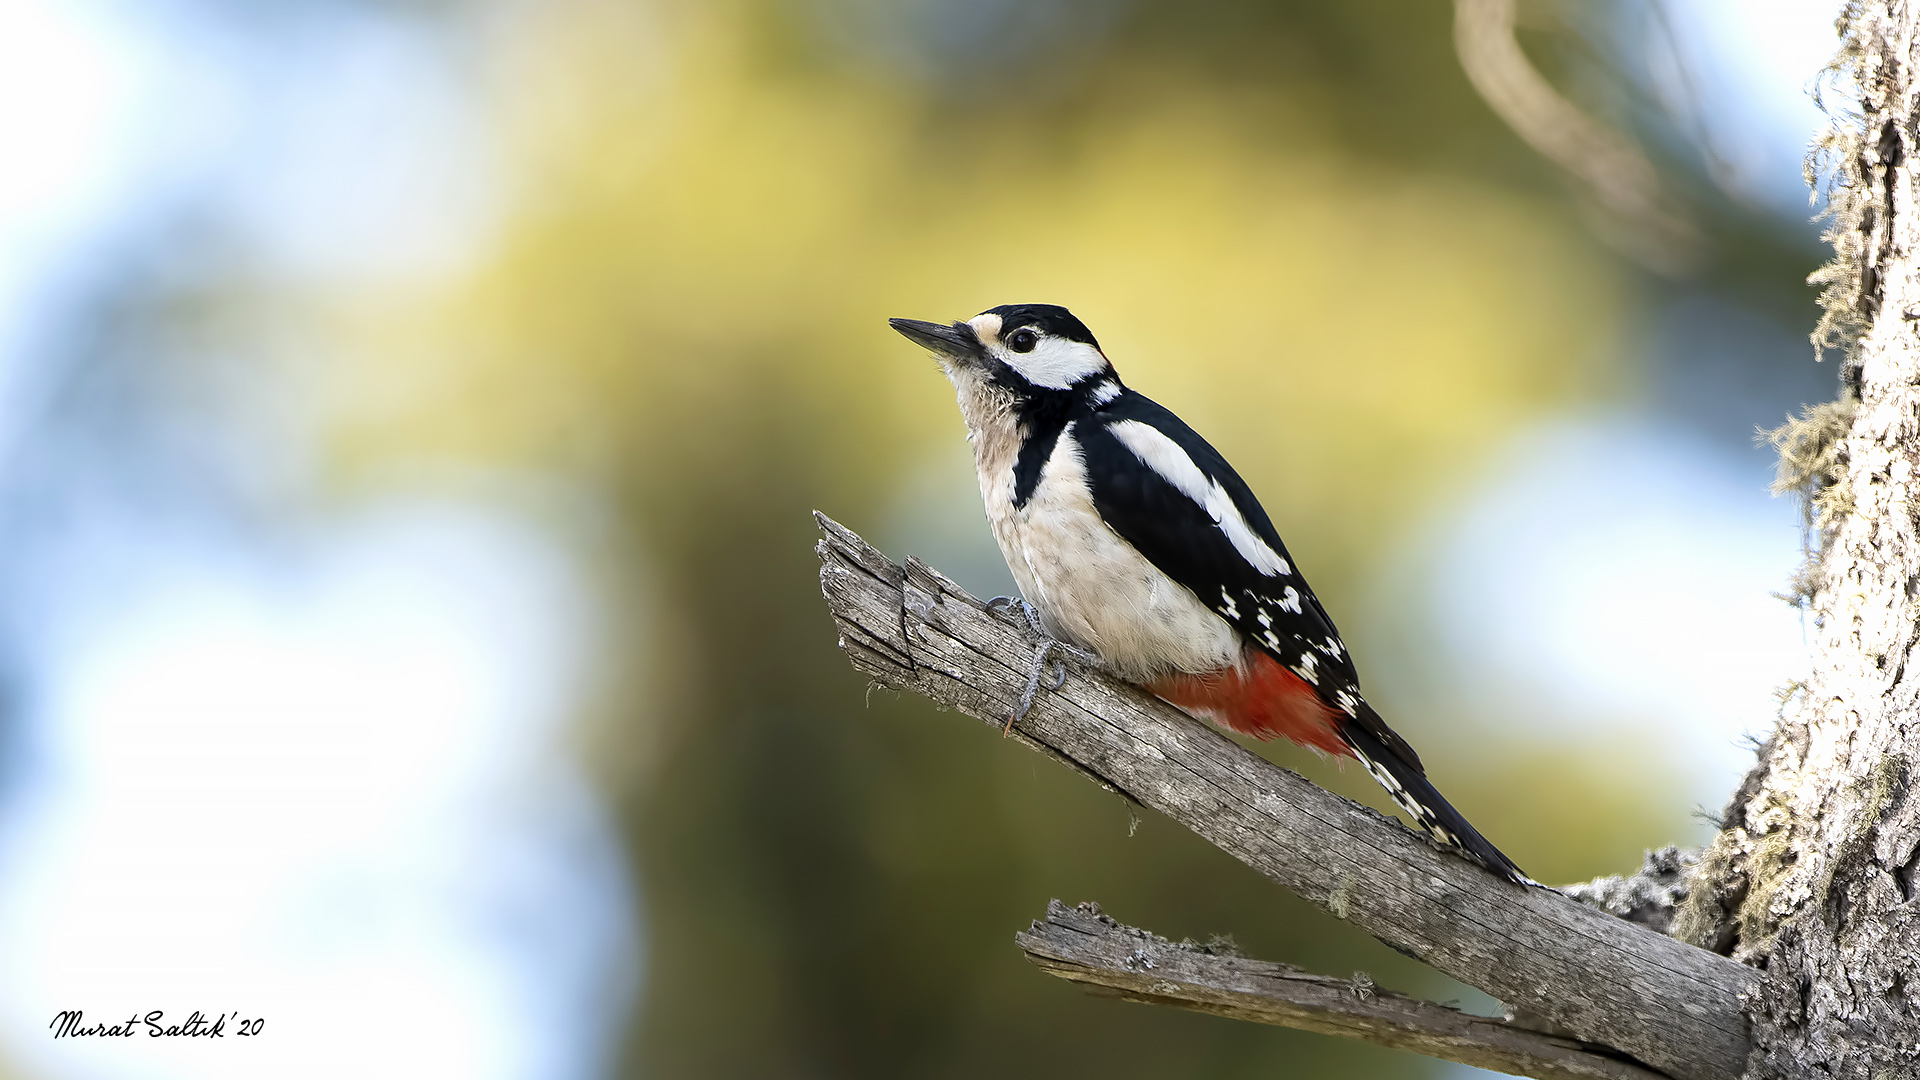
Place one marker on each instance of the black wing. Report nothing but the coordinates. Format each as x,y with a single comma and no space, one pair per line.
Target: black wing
1277,612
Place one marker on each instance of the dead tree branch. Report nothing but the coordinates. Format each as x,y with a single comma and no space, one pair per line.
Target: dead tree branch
1613,171
1085,946
1669,1005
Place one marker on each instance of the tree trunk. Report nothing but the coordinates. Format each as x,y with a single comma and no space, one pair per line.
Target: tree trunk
1813,876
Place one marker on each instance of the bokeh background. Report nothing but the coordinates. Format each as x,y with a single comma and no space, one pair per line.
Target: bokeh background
410,413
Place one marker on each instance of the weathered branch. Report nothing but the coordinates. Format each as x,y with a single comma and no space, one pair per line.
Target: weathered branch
1672,1006
1086,946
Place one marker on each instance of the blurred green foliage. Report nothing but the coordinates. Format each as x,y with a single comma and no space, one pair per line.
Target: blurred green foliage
1291,222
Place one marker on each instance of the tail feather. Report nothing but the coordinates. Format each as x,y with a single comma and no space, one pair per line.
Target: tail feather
1405,780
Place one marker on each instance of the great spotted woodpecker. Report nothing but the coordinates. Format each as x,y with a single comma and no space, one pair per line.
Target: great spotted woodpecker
1134,540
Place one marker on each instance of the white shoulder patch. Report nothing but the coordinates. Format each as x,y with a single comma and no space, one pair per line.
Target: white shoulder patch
1104,391
1164,456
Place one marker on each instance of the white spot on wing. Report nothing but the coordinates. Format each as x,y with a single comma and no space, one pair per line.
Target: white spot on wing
1164,456
1227,607
1291,600
1306,669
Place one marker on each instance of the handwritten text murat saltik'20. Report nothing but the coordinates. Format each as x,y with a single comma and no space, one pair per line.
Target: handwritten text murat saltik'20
71,1024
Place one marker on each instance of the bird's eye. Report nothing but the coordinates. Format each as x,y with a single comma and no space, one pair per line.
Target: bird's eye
1023,340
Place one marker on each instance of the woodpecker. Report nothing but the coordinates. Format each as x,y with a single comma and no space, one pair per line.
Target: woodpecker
1135,541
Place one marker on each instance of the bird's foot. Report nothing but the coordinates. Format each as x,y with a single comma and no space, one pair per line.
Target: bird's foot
1007,605
1037,668
1034,671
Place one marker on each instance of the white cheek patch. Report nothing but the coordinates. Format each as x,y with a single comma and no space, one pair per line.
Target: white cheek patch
1164,456
1055,363
1104,392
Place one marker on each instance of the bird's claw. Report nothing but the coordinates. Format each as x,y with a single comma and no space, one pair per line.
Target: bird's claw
1001,605
1037,668
1034,671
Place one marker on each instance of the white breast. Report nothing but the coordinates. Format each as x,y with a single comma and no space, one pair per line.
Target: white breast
1092,588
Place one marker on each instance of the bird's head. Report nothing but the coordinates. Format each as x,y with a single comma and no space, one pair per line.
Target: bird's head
1027,350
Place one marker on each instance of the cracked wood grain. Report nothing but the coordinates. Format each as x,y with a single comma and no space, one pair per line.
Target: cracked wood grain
1083,945
1672,1006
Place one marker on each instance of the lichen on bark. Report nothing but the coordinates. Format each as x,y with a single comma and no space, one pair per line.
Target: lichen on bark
1812,876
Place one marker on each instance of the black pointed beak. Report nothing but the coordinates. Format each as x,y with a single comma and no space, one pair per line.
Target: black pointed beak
958,341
